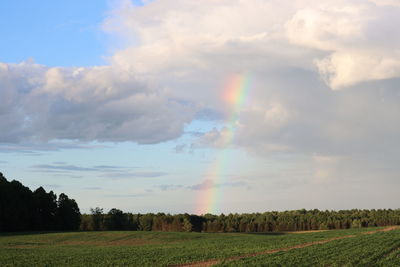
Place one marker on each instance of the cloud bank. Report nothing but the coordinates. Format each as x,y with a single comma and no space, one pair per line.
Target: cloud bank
41,104
325,78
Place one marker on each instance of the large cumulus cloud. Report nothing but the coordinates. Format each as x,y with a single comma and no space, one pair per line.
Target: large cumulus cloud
299,54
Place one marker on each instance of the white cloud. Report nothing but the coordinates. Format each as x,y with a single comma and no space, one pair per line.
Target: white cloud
343,39
361,40
351,67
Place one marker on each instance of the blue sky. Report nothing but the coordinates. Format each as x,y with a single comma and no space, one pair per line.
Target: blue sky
119,103
62,33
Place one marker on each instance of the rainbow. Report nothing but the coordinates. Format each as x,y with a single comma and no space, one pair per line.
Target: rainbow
235,95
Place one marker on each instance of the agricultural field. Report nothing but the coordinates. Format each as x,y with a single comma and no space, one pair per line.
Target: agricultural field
365,246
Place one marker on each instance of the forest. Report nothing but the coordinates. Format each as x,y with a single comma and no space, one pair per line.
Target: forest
24,210
275,221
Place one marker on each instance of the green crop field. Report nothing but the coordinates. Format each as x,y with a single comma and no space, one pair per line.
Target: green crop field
327,248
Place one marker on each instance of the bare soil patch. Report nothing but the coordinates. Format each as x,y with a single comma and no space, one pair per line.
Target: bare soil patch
127,242
305,232
24,245
386,229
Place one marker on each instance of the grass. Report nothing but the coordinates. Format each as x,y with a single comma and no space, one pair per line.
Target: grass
162,249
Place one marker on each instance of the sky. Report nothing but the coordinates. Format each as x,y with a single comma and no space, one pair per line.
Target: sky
203,106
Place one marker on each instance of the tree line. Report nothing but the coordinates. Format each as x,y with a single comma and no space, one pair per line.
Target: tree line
24,210
295,220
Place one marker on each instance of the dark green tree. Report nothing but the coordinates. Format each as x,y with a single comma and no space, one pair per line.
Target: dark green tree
97,218
45,210
68,214
116,220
